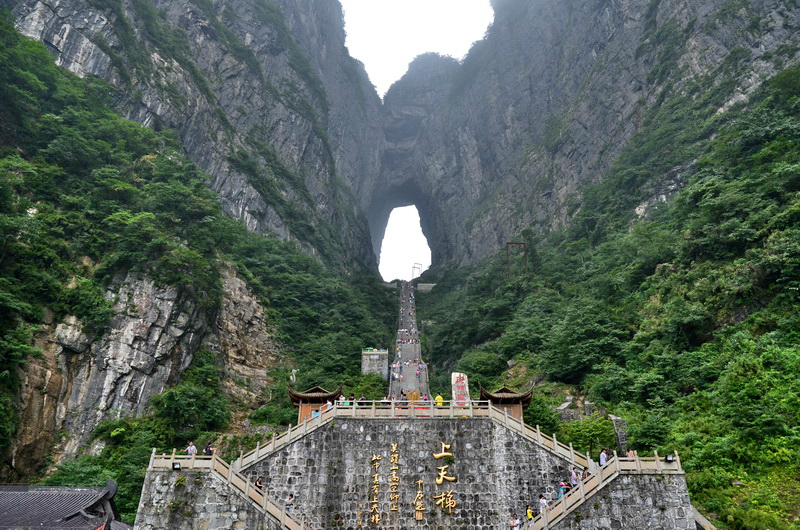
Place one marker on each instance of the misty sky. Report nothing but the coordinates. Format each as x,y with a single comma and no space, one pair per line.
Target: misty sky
386,35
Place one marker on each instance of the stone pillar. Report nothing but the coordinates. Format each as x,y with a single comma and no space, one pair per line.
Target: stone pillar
621,433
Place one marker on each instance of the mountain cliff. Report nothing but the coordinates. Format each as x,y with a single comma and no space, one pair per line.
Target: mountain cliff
263,96
565,126
541,108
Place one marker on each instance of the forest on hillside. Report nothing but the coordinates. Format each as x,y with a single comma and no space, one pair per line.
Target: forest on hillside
682,317
85,195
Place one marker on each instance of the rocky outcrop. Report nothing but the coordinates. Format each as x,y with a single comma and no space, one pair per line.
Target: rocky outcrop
243,341
84,378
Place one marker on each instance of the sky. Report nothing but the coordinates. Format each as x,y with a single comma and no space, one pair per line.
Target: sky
386,35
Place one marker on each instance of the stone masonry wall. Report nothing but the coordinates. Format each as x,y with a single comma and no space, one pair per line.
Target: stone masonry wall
195,500
375,362
655,502
331,475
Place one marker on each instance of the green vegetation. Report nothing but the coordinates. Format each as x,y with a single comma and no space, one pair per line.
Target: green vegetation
86,197
683,321
191,411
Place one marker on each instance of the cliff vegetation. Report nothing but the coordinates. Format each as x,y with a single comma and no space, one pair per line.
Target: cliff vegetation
679,315
87,195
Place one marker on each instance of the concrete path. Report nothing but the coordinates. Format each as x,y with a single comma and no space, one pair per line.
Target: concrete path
407,360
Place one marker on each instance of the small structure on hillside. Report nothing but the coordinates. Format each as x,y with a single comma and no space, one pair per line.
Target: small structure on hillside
506,399
425,287
311,400
60,507
375,362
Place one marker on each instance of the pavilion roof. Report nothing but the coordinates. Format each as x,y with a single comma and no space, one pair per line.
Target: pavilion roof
58,507
507,396
315,394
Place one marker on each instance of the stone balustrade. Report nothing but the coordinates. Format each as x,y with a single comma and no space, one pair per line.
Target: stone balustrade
603,476
237,482
415,410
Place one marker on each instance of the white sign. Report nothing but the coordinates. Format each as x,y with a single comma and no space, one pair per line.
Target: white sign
460,386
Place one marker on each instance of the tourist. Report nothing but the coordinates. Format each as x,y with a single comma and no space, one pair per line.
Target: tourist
208,451
260,482
289,502
603,457
515,522
191,450
341,400
439,399
562,489
574,477
529,514
542,504
585,473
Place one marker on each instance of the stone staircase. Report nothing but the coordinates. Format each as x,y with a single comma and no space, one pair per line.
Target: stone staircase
236,482
601,478
392,410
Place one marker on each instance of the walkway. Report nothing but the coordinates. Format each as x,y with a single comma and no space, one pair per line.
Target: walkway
602,477
237,483
408,372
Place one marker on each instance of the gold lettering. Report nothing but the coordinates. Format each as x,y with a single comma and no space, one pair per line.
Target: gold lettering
444,476
446,501
444,452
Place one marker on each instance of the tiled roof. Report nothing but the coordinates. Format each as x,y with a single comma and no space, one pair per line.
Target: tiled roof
56,507
506,395
316,394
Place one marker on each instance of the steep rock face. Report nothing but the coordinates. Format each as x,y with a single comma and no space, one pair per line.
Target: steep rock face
242,338
281,128
542,106
82,378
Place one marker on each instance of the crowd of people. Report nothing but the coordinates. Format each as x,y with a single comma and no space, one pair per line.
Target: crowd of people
565,486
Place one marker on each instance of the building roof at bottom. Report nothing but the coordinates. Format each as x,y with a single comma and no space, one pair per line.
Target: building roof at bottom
57,507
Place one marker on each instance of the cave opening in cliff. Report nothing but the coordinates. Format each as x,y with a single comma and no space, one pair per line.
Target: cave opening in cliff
405,252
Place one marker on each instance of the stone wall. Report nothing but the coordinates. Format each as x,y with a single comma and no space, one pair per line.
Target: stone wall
375,362
656,502
195,500
330,472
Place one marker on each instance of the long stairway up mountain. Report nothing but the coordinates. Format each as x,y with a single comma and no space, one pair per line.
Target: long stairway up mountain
409,374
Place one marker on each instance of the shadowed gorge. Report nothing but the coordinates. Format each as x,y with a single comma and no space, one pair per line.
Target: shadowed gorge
193,195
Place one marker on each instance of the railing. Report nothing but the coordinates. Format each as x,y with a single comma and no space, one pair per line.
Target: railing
604,475
365,410
536,435
238,483
417,410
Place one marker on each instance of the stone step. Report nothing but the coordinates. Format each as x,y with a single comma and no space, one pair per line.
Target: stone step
604,476
235,481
